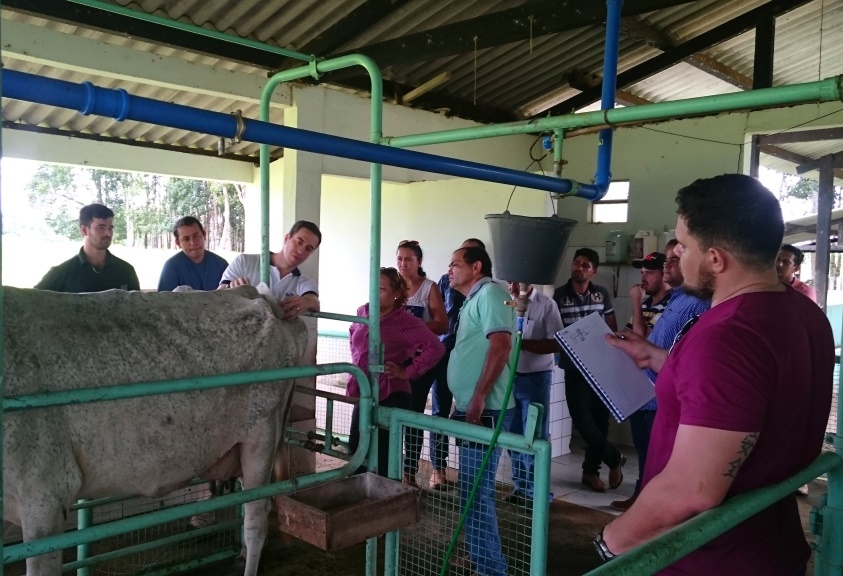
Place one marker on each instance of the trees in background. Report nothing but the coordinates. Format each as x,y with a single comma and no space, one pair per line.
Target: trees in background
145,206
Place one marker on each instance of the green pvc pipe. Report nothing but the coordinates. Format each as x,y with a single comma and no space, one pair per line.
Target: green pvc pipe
193,534
828,90
84,519
193,29
333,316
142,389
688,536
541,508
196,563
558,138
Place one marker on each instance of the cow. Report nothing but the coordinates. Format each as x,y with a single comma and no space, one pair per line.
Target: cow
152,445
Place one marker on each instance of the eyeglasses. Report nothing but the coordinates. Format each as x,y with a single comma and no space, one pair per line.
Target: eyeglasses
685,329
408,243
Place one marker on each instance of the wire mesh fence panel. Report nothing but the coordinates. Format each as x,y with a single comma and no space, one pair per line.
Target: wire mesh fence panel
331,349
497,535
831,428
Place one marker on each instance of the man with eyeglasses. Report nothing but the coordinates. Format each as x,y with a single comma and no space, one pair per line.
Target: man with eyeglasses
744,395
681,308
193,265
94,268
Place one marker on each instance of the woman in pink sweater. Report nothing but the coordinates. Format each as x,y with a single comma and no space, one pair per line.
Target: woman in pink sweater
410,349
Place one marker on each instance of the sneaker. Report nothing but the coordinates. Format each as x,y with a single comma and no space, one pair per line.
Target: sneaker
623,505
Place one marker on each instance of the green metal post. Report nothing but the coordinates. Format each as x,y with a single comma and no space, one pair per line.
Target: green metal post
827,90
178,25
558,138
541,507
84,519
2,341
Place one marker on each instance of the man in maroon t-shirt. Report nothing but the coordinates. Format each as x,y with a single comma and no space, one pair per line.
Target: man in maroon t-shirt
744,394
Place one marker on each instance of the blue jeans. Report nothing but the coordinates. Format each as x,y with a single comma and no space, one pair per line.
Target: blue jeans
641,424
481,527
532,387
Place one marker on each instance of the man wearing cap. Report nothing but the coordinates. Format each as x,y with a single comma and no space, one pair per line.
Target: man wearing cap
650,297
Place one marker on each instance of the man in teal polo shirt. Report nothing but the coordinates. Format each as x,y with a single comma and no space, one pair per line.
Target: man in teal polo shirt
478,370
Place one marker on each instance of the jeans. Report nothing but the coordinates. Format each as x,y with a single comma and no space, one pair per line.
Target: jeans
641,423
394,400
441,399
532,387
591,417
481,525
415,436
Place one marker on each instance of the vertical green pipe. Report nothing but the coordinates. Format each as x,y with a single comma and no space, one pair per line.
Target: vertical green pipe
558,137
390,560
329,423
2,340
541,491
376,174
84,519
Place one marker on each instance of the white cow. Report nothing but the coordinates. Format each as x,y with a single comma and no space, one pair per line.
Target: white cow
153,445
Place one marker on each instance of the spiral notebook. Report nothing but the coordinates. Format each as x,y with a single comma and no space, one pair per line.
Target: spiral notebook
615,378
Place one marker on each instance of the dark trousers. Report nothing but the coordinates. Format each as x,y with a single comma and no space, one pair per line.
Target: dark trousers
591,418
441,400
394,400
641,423
415,436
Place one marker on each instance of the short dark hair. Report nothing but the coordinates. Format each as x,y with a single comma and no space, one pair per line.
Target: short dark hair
474,254
590,254
477,241
307,226
186,221
798,256
737,213
671,242
91,211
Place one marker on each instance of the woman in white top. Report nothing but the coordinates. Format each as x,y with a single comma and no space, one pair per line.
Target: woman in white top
425,301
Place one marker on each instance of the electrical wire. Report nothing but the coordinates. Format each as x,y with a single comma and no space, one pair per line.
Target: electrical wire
533,160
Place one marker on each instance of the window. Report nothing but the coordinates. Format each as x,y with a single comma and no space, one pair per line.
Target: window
614,206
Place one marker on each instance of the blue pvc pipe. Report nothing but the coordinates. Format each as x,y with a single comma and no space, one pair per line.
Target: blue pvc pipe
90,99
603,176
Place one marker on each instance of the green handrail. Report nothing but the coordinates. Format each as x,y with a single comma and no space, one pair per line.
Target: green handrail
687,537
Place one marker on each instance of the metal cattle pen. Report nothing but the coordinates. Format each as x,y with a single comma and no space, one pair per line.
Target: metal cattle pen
118,104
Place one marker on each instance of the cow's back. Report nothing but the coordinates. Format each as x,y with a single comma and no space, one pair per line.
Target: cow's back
58,341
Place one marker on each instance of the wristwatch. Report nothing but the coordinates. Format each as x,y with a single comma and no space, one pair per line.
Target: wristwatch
603,550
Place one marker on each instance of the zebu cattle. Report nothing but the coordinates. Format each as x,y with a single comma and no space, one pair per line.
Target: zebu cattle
152,445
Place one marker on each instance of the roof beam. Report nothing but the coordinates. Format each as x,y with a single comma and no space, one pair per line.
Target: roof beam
797,136
364,16
792,157
43,46
111,23
834,160
530,20
682,52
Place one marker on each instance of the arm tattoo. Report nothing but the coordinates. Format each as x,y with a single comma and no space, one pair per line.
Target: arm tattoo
747,444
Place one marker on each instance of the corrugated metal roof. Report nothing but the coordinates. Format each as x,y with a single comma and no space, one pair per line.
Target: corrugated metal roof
525,77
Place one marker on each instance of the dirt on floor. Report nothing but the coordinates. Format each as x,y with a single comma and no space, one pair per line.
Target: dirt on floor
570,549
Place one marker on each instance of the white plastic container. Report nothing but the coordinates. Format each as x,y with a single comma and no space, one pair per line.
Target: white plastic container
645,241
666,237
617,247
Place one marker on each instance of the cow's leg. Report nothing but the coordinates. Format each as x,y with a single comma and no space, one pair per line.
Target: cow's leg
256,463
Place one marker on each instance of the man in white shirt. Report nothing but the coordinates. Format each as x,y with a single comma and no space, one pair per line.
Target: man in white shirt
532,381
296,293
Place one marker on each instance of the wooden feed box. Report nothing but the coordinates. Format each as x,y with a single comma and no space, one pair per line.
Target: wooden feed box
349,511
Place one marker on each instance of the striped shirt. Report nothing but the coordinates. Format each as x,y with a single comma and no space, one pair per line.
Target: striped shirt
573,306
652,312
402,334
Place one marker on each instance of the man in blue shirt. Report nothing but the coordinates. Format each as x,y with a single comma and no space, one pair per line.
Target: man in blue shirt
194,266
681,308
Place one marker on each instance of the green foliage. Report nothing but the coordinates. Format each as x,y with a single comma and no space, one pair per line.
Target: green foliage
145,206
